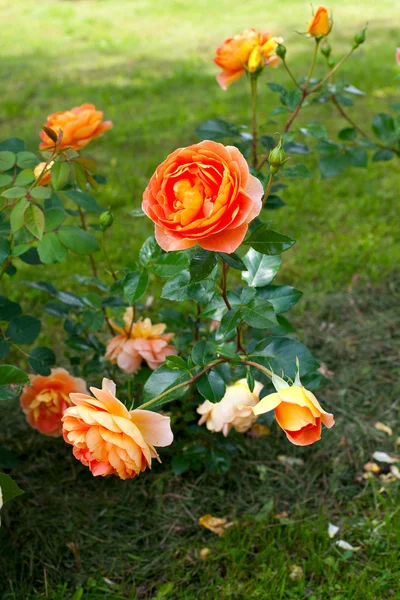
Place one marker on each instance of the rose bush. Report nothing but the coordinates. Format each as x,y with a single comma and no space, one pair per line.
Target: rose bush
219,353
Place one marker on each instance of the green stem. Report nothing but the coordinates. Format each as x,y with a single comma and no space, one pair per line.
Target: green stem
103,245
183,384
253,83
251,363
312,66
267,192
329,75
296,83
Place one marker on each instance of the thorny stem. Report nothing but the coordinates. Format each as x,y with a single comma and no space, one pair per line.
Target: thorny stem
84,226
225,267
267,191
251,363
103,245
292,77
253,83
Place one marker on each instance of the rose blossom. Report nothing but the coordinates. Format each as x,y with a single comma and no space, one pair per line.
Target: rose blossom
320,24
249,49
234,410
203,194
108,438
139,341
46,398
297,411
80,126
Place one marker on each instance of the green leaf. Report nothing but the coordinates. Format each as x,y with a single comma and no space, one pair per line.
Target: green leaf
229,322
25,177
296,148
9,488
357,157
150,251
17,215
180,464
5,250
84,200
259,313
10,375
34,220
180,288
78,240
60,174
27,160
8,309
250,381
295,171
268,241
217,130
201,265
93,320
282,297
332,164
51,250
282,352
41,359
54,217
383,126
13,145
23,329
14,193
211,386
41,193
4,348
20,249
202,353
56,310
160,381
175,362
5,180
268,142
31,257
135,285
348,134
276,87
382,155
170,264
315,130
261,269
7,160
233,260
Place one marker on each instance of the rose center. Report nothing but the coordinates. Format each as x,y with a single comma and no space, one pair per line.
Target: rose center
190,202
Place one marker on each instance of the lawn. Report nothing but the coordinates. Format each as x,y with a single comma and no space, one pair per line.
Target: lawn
148,66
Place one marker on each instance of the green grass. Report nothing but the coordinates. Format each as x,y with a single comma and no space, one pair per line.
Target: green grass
148,66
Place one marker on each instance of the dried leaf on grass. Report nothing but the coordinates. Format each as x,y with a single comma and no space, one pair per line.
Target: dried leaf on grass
326,372
385,428
332,530
346,546
204,552
384,457
290,461
296,572
215,524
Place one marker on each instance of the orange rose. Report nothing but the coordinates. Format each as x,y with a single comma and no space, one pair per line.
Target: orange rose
250,50
297,412
320,24
45,179
46,398
234,410
204,195
139,341
80,126
108,438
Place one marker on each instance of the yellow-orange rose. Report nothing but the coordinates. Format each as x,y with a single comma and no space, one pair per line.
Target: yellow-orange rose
80,126
47,397
320,24
297,412
250,50
108,438
204,195
44,179
234,410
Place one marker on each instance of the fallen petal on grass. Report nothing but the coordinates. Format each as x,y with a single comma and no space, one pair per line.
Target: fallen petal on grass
332,530
385,428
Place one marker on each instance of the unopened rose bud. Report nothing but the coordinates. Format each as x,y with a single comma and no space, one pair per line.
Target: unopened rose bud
255,59
326,50
106,220
277,158
331,62
280,51
359,38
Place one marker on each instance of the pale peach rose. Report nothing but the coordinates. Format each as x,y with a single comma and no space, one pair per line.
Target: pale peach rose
140,340
45,179
108,438
234,410
320,24
47,397
249,50
297,411
80,126
203,194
